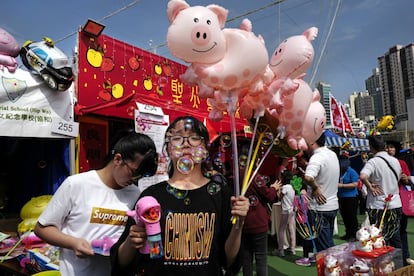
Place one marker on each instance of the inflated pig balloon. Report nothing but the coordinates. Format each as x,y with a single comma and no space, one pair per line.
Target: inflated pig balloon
294,55
221,58
291,118
315,120
9,49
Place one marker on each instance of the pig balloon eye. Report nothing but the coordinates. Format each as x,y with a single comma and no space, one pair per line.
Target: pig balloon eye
208,22
195,20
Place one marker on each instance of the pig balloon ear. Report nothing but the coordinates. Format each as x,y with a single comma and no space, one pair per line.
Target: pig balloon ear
311,33
220,12
174,8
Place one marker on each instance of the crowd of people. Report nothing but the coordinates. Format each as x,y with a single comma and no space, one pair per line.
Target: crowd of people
204,229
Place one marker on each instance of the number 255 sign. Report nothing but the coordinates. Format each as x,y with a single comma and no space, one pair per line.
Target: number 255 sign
63,127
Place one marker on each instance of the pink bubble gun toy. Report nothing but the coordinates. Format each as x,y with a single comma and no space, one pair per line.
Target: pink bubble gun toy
148,212
103,246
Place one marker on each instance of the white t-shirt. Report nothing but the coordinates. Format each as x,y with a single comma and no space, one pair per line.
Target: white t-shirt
379,173
83,206
287,199
323,166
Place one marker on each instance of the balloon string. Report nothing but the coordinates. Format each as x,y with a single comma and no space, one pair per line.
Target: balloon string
256,150
257,169
249,156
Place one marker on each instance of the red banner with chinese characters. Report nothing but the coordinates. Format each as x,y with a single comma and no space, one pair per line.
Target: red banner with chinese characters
92,143
347,123
113,76
336,114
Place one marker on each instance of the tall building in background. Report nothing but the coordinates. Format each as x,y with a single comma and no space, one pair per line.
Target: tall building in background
373,86
407,67
396,70
364,106
352,112
325,90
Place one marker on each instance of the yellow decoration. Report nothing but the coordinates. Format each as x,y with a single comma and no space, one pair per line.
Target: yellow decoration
386,123
31,211
34,207
26,225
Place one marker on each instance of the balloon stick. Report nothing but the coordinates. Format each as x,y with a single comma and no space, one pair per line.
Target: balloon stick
257,169
249,171
231,110
249,156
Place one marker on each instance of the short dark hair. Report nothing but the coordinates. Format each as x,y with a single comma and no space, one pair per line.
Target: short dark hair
128,143
376,142
287,176
321,140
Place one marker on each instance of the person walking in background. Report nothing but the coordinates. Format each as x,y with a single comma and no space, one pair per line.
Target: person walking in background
88,206
196,226
321,176
393,148
348,197
287,217
256,226
380,175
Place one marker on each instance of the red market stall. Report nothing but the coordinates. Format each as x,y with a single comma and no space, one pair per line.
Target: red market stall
114,76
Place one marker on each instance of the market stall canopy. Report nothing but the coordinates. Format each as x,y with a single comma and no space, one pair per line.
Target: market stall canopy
334,140
114,76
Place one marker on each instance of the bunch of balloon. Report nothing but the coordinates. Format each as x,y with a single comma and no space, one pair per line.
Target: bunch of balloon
221,63
286,100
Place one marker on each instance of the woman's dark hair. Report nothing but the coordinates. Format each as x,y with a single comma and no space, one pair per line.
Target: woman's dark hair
129,143
395,144
190,123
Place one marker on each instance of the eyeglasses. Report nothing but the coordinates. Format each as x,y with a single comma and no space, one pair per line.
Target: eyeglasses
193,140
134,172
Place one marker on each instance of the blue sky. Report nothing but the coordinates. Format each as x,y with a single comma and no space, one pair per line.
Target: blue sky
363,29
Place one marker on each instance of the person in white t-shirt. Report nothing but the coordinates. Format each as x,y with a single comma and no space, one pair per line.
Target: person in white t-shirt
321,176
380,175
92,206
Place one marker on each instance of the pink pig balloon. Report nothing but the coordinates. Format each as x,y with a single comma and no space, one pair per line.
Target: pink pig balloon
290,60
291,119
315,120
221,59
294,55
9,49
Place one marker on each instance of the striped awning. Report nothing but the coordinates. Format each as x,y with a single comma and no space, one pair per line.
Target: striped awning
357,144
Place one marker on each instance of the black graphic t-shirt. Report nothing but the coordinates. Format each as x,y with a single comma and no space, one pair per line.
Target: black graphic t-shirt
194,227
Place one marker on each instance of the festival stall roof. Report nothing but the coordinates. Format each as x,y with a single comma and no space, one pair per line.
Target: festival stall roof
114,76
334,140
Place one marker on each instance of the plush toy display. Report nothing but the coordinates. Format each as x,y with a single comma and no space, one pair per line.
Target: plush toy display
332,267
364,240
